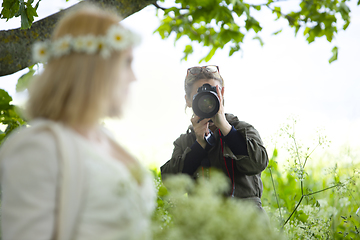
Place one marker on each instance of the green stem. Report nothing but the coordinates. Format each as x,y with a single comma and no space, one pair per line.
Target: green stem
287,220
337,185
308,156
277,200
306,195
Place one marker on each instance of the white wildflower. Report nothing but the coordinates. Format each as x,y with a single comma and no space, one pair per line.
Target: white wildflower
179,183
41,51
344,202
79,44
62,46
323,203
118,37
90,44
206,214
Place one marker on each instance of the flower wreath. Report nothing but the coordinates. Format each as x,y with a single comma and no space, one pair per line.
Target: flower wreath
117,38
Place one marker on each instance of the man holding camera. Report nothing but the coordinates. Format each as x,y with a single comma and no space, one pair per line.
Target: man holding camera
217,140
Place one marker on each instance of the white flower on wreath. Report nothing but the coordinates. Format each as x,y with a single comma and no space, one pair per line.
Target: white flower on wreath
79,44
103,48
62,46
41,51
91,45
118,37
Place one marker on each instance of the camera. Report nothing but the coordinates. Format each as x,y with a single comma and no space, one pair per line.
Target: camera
206,102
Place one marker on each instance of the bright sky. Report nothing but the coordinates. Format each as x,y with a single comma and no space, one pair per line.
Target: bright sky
263,85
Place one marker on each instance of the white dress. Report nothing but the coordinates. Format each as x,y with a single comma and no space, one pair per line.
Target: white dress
110,201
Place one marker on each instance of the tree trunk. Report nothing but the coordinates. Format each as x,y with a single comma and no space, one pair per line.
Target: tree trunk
16,44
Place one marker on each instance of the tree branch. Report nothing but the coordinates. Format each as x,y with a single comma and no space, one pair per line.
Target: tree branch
157,6
15,44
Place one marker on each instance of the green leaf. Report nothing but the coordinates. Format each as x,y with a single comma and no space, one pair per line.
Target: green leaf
347,23
252,23
10,8
302,216
240,8
24,80
277,10
260,40
344,11
344,7
172,9
5,98
257,7
210,55
2,136
277,32
234,49
37,5
335,54
31,13
162,191
25,24
306,31
275,153
188,50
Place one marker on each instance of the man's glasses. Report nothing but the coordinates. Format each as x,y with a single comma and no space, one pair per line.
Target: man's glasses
197,70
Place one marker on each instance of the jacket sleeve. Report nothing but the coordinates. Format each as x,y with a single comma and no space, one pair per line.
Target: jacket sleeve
256,159
29,172
186,158
176,163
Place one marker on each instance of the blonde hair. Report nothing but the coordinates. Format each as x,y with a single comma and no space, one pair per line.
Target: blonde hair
191,79
75,89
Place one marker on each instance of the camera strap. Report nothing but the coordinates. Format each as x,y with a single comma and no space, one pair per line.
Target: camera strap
232,166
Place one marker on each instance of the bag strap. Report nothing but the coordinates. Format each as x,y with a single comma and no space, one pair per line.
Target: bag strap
227,169
71,181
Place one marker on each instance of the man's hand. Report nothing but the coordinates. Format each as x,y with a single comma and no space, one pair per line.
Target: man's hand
219,118
201,129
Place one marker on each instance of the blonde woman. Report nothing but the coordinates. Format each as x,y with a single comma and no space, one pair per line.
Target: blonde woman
65,177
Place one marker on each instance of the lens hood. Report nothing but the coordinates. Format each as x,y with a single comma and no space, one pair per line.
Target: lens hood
206,102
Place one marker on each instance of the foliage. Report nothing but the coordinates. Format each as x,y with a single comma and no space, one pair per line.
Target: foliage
204,213
8,115
317,201
216,23
20,8
329,210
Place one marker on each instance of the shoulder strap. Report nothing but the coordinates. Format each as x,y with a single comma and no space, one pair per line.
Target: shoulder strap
71,185
71,180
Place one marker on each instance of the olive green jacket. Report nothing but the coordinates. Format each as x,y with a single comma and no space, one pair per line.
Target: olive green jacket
247,169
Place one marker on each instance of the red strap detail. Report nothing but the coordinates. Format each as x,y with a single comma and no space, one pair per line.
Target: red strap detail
232,165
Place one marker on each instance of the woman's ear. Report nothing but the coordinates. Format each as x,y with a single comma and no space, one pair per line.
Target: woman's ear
188,102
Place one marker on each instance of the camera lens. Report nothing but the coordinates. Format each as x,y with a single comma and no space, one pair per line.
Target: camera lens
206,103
